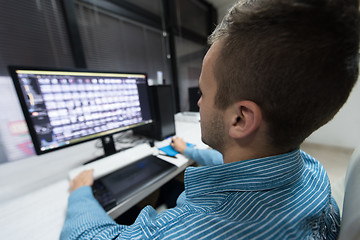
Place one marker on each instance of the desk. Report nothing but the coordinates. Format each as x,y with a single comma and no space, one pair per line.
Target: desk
119,160
40,214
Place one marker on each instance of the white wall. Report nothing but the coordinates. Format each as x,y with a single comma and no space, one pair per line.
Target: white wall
344,129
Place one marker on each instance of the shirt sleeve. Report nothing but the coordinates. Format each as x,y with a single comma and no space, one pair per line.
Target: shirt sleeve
205,157
86,219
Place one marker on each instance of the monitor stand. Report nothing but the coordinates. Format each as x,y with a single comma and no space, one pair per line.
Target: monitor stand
108,146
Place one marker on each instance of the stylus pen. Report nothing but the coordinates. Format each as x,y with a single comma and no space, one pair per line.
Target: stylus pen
167,155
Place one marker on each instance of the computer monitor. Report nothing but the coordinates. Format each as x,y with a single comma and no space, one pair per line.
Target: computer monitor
66,107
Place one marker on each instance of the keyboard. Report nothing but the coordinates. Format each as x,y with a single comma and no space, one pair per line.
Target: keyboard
116,187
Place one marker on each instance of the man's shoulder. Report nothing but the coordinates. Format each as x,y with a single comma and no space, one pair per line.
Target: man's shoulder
312,164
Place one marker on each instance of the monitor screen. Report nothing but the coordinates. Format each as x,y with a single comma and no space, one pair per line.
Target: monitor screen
65,107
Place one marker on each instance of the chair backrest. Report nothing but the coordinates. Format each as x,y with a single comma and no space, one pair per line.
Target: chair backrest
350,223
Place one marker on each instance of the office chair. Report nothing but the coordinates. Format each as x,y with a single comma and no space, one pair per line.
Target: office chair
350,223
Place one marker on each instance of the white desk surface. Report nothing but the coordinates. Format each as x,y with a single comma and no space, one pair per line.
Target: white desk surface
37,215
40,213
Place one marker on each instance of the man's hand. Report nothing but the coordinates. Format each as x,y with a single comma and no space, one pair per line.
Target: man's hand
178,144
85,178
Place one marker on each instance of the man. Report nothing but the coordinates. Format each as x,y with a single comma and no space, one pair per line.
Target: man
276,71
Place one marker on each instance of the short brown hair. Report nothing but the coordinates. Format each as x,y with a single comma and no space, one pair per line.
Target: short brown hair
297,59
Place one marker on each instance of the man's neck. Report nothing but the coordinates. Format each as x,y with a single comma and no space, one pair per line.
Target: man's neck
240,154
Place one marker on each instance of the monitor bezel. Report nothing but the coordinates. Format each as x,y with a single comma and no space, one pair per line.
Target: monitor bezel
37,146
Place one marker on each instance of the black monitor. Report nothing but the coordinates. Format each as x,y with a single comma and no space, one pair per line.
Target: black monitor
66,107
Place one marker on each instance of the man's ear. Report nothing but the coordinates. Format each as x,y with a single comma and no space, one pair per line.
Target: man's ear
246,118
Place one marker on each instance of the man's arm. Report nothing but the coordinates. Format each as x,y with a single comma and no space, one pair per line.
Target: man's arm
205,157
85,218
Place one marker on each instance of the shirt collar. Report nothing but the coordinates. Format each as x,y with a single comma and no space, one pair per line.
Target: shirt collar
249,175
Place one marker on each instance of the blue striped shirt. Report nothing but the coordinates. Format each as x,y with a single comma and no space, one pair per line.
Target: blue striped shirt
281,197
